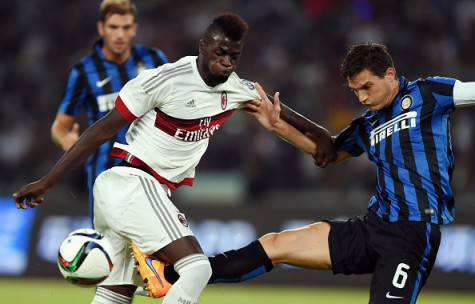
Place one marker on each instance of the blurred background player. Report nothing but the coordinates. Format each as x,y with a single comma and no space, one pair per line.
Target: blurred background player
94,82
405,132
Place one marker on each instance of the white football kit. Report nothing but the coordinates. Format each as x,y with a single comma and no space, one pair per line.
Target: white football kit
173,113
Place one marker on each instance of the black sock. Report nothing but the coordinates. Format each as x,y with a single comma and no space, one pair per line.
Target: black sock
234,265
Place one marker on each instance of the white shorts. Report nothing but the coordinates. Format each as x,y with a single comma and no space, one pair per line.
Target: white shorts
132,206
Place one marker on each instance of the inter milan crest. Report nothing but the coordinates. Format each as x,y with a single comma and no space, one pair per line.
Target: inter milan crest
224,100
406,102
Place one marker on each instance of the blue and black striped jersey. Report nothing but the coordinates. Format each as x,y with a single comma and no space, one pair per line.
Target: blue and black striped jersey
410,144
93,86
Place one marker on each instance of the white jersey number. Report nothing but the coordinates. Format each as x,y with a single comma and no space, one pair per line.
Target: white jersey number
400,277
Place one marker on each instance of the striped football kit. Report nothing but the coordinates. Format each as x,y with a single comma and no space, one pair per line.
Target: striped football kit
173,114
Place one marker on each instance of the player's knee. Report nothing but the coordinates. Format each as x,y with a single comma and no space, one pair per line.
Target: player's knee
273,244
195,268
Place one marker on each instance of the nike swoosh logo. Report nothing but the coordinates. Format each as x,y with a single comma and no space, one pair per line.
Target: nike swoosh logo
389,296
103,82
150,265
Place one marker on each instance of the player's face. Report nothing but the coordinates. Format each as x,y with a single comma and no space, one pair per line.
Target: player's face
374,92
117,31
220,56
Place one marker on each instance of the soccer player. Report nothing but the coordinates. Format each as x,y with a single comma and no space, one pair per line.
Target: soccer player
405,132
173,111
95,81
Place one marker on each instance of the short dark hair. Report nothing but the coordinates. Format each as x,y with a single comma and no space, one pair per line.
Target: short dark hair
230,24
371,56
119,7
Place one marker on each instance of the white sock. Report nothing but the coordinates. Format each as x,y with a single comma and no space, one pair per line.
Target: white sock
105,296
194,271
140,291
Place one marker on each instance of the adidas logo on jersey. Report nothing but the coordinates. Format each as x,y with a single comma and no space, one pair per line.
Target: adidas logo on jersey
190,104
398,123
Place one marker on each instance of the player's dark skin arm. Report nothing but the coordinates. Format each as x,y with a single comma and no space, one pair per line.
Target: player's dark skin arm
326,150
31,195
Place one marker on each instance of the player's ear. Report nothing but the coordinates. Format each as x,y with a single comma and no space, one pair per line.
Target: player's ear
134,29
390,73
100,28
201,45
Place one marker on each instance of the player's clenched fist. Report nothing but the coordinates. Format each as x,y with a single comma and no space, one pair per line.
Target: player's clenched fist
326,151
30,195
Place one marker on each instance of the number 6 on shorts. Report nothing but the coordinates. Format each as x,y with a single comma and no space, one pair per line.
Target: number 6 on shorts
400,277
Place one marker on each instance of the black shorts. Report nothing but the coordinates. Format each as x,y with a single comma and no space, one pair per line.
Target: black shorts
400,255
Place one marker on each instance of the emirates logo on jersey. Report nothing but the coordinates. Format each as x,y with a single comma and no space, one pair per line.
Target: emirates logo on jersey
224,100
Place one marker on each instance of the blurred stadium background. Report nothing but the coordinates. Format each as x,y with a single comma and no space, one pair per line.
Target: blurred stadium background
249,182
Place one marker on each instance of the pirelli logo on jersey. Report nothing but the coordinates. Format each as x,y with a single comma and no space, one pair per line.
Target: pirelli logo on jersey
398,123
191,130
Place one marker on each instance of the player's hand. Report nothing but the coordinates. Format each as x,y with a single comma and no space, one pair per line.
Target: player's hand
326,151
30,195
71,137
266,112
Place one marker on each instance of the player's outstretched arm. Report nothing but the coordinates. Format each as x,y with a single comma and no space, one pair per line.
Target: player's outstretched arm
268,115
31,195
326,151
292,126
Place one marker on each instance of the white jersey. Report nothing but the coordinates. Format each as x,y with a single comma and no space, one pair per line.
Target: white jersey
173,114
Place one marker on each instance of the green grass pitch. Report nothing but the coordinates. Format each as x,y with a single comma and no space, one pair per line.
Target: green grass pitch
23,291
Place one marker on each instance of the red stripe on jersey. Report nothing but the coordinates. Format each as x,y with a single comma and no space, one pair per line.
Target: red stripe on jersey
191,129
139,164
124,111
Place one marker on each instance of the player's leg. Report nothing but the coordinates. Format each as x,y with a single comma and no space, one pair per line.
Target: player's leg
157,228
408,254
192,266
119,286
305,247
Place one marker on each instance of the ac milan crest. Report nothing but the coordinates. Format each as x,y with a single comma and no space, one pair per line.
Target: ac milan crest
224,100
182,219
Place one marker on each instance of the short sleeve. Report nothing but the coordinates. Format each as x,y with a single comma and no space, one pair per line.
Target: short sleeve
443,92
464,93
140,95
245,90
349,138
74,93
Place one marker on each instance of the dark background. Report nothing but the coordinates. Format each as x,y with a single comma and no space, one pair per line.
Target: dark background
294,47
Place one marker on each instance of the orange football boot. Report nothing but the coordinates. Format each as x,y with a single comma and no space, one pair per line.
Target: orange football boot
152,272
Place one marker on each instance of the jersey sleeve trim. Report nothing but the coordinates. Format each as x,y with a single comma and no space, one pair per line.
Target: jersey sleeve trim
124,111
